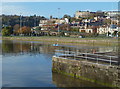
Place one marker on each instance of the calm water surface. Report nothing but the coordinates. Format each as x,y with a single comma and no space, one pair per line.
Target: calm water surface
29,64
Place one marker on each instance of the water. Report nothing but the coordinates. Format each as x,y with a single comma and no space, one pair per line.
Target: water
29,64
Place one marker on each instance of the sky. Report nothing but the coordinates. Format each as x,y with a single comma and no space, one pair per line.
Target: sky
59,0
51,8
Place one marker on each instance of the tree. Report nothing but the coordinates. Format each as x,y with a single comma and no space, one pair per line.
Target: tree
65,27
72,19
67,16
74,29
118,34
53,21
12,20
16,27
24,30
115,33
7,31
38,28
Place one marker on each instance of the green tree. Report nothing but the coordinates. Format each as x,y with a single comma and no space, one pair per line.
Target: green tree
7,31
72,19
67,16
118,34
115,33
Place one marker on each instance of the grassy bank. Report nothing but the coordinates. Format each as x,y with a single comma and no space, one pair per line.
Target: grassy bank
68,40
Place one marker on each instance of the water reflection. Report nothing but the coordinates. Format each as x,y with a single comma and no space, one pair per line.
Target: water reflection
14,48
22,47
28,64
66,81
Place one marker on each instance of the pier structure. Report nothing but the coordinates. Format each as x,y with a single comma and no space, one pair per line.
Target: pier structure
102,68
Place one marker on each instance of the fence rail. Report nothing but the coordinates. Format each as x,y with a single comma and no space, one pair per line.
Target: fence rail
99,58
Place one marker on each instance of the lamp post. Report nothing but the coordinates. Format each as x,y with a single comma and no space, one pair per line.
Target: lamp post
20,25
58,21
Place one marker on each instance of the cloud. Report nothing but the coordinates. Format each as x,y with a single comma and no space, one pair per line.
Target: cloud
16,9
60,0
0,8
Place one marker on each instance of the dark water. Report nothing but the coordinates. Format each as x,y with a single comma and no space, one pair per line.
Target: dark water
29,64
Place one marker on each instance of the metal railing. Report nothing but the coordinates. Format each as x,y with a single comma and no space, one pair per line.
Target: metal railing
98,58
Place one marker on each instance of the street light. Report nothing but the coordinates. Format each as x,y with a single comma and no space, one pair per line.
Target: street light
58,21
20,25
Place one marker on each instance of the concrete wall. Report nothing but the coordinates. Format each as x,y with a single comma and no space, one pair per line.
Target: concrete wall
101,74
61,80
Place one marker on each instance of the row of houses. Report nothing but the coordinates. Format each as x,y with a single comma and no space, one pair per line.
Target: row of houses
94,25
101,30
108,30
85,14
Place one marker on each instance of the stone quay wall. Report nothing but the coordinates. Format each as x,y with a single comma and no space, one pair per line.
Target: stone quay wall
103,74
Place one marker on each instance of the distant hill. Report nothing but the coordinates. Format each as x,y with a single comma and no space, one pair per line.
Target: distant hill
30,21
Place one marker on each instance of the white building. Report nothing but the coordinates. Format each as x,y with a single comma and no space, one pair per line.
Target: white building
43,22
113,13
102,30
106,30
60,21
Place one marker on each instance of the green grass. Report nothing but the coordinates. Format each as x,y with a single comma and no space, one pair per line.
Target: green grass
69,40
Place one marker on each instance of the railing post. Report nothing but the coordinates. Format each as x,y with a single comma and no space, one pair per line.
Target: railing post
65,53
86,56
77,53
74,56
110,60
97,58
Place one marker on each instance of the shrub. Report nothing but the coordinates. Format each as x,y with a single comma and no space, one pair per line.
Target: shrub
7,31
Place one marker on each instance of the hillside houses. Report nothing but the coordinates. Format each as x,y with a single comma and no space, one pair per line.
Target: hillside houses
113,13
84,22
107,29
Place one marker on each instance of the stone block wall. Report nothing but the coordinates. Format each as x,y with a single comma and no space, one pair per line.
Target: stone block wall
103,74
